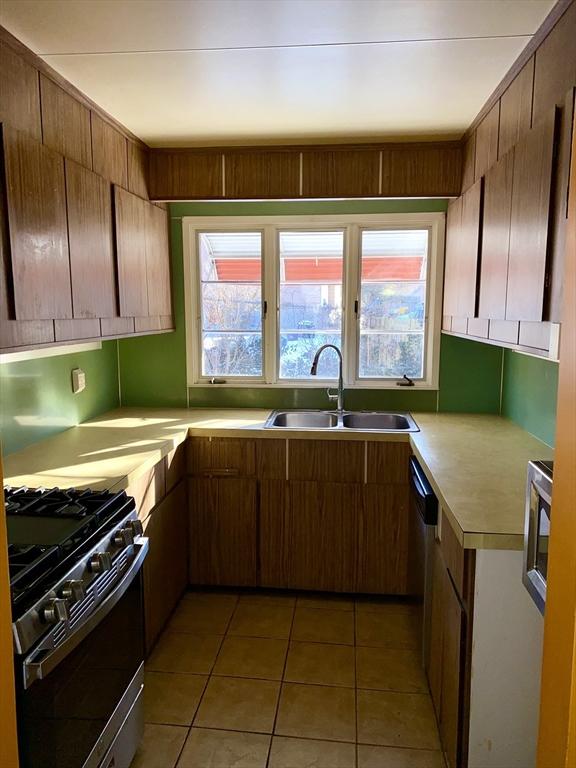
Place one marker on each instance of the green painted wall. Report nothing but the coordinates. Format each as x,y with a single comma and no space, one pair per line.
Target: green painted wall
529,393
37,399
470,376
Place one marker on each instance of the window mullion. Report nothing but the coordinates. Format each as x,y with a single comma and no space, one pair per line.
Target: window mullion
269,288
351,290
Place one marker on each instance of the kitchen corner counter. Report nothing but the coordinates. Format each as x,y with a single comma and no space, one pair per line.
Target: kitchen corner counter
475,463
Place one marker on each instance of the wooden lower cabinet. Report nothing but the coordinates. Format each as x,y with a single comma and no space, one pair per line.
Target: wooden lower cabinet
334,537
166,566
445,665
223,531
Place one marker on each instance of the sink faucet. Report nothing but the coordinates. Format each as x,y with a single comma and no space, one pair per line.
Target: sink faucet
339,396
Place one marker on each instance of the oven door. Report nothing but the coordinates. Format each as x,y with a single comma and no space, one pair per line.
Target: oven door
82,694
537,534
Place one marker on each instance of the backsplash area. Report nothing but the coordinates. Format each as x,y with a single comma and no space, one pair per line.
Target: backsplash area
37,398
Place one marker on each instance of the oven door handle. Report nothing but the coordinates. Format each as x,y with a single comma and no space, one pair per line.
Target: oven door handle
38,670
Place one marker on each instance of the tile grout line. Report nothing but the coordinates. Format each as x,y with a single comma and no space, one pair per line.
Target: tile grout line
356,669
282,681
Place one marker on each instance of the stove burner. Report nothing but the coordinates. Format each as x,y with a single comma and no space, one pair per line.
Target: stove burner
49,529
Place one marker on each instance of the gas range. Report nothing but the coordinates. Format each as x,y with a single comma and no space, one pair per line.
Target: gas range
66,548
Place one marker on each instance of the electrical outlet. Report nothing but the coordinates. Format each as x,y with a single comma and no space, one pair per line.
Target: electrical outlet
78,380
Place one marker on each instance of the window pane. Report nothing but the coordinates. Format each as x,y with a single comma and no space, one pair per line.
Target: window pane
232,354
392,300
311,272
391,355
231,303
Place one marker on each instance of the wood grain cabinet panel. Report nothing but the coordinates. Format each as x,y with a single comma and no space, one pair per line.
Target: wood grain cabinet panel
185,175
221,456
468,253
555,68
131,219
271,459
81,328
93,271
262,174
117,326
451,261
321,535
340,173
383,540
516,108
65,123
166,565
452,674
223,531
272,533
137,169
387,462
496,238
529,224
487,142
19,93
326,460
36,203
158,262
468,159
413,171
109,151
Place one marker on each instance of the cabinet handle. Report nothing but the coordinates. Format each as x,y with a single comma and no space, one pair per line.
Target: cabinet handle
224,472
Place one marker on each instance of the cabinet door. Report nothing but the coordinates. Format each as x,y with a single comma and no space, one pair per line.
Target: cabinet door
19,93
529,223
157,262
496,238
450,720
223,532
130,214
453,225
383,533
434,660
468,251
109,151
321,534
36,204
89,202
65,123
273,513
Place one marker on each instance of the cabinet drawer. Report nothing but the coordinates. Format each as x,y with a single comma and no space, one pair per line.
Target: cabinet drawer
387,462
457,560
326,460
221,457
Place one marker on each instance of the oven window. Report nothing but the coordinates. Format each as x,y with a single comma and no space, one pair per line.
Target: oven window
62,716
543,537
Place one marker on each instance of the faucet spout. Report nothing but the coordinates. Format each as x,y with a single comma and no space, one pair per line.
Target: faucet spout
339,397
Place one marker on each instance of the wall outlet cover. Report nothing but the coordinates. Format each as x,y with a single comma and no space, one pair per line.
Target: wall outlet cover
78,380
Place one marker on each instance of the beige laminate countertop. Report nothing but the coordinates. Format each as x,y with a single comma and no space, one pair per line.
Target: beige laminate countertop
475,463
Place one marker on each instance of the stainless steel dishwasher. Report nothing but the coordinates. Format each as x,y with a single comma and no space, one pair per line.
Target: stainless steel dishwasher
423,520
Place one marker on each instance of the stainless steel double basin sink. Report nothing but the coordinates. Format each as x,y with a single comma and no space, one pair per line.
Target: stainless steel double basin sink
371,421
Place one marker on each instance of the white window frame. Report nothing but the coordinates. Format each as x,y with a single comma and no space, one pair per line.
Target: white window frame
352,225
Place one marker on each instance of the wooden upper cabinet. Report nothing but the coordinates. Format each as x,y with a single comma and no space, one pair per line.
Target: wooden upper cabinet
185,175
89,202
262,174
65,123
453,227
555,69
496,238
19,93
487,142
469,242
36,204
340,173
468,157
414,171
158,262
529,223
137,169
516,108
131,219
109,151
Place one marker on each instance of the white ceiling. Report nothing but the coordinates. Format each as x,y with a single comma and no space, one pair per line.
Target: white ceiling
181,72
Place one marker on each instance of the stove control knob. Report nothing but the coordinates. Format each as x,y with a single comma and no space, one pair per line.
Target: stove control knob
124,537
73,591
100,562
54,611
136,527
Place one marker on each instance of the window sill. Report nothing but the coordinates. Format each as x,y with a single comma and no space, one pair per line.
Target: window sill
319,385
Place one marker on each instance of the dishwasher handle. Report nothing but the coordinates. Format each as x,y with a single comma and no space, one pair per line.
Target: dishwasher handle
423,493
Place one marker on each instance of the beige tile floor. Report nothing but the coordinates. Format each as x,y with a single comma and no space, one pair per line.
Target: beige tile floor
287,681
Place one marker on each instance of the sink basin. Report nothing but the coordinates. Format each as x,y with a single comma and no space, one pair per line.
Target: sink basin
395,422
303,420
380,421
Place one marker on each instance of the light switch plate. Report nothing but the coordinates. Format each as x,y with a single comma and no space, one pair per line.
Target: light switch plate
78,380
